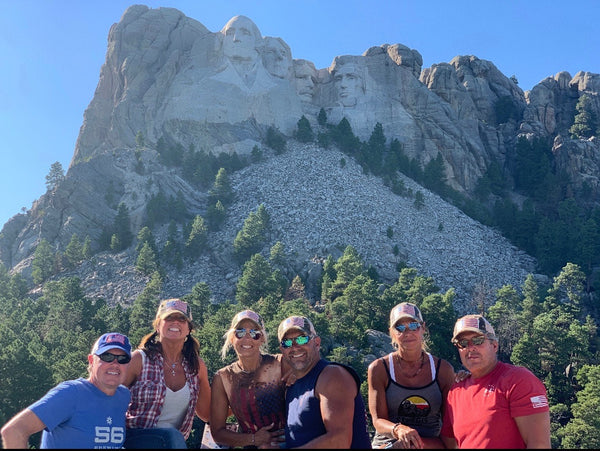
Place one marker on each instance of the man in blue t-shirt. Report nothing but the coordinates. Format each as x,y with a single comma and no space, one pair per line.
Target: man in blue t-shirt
324,406
81,413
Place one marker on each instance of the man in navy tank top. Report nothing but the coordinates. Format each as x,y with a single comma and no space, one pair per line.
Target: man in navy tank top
324,406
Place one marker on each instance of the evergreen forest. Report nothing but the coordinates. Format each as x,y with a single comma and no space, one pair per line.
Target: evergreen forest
47,330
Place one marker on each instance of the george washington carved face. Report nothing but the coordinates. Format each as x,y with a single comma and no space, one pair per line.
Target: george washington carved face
241,39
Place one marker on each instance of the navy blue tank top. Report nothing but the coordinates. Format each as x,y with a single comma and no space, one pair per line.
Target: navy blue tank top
304,421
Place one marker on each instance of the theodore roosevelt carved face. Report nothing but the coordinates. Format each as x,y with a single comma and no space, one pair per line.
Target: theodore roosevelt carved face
305,76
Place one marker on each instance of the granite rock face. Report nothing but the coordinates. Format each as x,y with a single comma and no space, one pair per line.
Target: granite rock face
167,76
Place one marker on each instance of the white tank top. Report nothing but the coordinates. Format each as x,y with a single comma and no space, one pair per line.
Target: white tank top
431,364
175,405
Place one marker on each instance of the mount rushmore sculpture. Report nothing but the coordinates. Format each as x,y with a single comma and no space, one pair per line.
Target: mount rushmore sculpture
168,76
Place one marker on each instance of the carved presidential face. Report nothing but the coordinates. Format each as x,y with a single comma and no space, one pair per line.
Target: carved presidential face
349,84
241,38
304,79
277,57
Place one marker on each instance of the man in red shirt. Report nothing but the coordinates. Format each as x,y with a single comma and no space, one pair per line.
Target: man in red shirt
500,405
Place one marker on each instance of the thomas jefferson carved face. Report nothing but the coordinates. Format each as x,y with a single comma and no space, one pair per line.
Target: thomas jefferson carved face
277,57
241,39
349,83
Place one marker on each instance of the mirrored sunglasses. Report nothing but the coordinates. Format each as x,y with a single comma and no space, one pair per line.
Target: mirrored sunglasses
108,357
414,325
475,341
301,340
254,333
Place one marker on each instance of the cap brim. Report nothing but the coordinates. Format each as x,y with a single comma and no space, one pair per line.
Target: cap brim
106,348
471,329
258,326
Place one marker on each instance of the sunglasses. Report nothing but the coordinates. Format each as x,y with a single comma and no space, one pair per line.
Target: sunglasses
178,318
475,341
108,357
254,334
410,326
301,340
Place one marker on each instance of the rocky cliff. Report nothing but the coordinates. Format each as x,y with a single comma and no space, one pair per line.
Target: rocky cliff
167,76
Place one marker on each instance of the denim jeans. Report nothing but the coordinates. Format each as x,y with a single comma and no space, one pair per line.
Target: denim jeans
155,438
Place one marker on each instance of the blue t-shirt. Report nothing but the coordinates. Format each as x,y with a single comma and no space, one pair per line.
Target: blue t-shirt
77,414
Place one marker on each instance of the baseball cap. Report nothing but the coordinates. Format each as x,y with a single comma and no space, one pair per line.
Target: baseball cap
405,310
248,314
110,341
174,305
473,323
301,323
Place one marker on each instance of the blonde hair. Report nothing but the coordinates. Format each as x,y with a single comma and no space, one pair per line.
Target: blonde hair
228,337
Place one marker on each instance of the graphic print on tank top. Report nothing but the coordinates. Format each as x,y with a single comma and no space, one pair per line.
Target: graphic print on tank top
414,406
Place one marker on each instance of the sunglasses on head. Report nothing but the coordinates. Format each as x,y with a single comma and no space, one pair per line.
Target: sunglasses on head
108,357
301,340
414,325
254,334
464,343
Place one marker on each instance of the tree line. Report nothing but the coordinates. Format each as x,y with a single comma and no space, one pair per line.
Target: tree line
44,339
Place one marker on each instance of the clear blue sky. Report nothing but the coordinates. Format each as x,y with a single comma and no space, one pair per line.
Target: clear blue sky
52,51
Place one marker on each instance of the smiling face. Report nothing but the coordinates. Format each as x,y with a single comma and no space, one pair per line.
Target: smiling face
302,358
247,346
107,376
173,327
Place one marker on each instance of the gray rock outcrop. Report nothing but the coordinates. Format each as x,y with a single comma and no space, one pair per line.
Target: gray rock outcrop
167,76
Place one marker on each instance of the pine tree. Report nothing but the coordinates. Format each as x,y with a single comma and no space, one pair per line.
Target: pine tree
55,176
585,123
43,262
221,189
146,262
87,248
322,117
74,251
304,132
197,238
122,229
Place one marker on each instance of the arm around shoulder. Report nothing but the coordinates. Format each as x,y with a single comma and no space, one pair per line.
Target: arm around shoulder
204,393
134,369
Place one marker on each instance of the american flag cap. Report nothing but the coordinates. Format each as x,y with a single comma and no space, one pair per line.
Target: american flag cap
301,323
111,340
405,310
473,323
248,314
174,305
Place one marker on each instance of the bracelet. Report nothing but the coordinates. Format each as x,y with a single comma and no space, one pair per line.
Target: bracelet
252,440
394,435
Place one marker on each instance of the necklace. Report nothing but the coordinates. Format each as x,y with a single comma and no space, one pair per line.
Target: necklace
170,366
410,376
